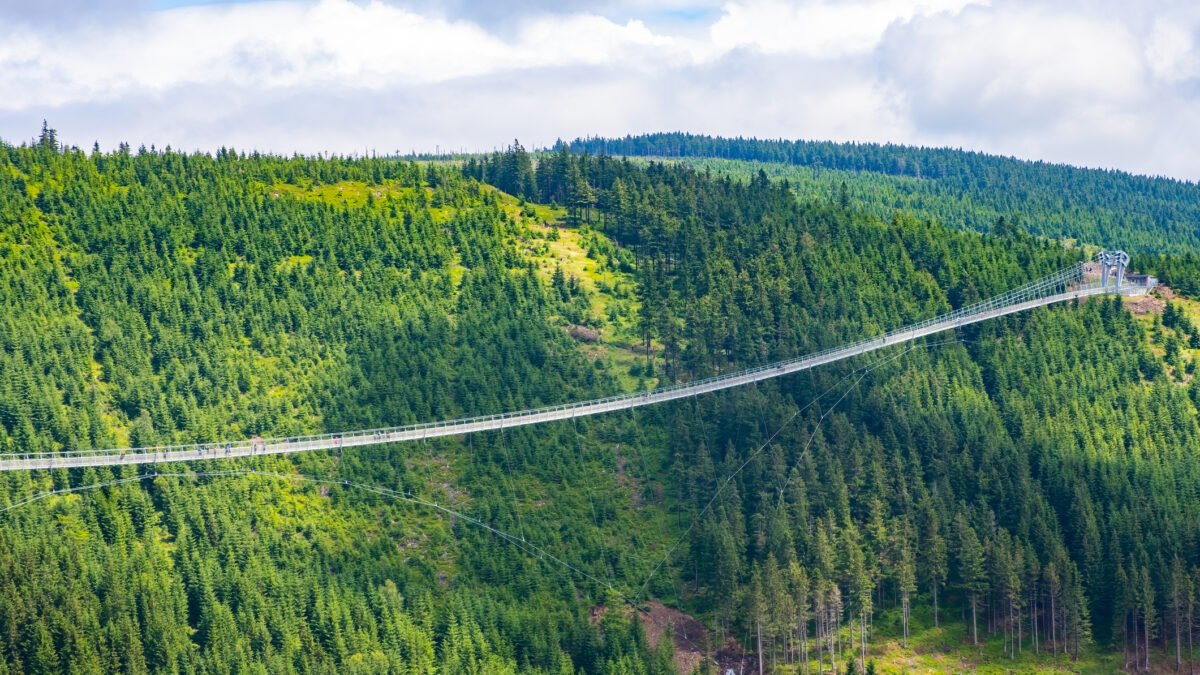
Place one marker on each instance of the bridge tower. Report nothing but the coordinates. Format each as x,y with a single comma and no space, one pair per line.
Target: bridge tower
1113,263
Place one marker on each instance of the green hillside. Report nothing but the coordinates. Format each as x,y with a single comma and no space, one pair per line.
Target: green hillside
1038,468
955,188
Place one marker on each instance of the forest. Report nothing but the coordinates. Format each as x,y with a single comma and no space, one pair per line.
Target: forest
956,188
1019,495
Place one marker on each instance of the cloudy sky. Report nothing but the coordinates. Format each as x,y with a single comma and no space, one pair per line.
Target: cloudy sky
1105,83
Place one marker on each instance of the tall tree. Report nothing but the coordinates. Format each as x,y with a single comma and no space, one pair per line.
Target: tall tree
972,572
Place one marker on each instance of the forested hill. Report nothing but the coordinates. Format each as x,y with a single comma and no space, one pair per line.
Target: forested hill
1019,495
956,188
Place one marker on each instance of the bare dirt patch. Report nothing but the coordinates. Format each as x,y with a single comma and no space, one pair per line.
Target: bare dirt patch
1141,305
733,656
690,634
583,333
596,613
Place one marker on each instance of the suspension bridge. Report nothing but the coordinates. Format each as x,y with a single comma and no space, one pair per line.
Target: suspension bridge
1105,274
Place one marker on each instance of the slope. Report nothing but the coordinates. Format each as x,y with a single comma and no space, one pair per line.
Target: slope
955,188
202,295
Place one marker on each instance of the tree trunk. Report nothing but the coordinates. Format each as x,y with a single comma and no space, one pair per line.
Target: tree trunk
853,639
835,626
1004,636
827,640
862,629
1053,637
974,622
935,608
1078,640
1125,638
1146,630
1191,650
1020,633
758,628
1137,641
1008,632
804,645
820,635
1033,613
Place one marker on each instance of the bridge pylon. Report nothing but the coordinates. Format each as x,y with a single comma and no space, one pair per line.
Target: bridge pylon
1112,264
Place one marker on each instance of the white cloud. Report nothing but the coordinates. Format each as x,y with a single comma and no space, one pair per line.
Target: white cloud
820,28
1173,52
1113,84
588,39
1011,68
271,45
1043,83
292,44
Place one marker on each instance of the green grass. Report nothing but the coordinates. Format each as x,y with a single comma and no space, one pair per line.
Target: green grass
550,243
351,193
947,649
545,238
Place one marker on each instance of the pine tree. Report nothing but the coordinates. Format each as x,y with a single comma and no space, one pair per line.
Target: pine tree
755,603
776,600
935,568
1180,590
800,590
907,579
1145,599
972,572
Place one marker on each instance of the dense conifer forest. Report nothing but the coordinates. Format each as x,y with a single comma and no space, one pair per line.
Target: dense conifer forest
955,188
1020,495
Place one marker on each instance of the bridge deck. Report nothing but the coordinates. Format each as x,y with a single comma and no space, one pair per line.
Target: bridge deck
1001,306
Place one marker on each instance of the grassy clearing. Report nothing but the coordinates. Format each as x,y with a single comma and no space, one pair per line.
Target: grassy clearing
546,239
947,649
543,235
354,194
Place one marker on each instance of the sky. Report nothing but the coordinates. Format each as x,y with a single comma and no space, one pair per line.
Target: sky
1098,83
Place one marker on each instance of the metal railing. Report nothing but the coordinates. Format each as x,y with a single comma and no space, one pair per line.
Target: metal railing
1061,286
